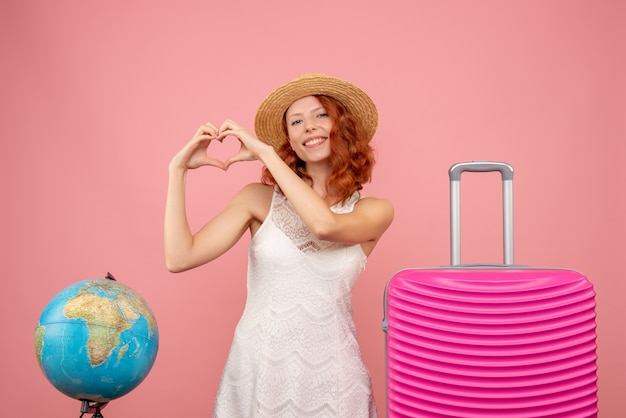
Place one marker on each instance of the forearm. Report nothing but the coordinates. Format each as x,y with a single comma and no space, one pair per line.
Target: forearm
310,206
177,236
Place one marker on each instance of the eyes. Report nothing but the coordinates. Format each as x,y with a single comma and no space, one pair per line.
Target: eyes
298,121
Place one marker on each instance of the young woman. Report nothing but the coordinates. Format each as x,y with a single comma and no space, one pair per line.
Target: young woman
295,351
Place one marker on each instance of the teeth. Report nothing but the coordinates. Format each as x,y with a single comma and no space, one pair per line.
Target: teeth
313,141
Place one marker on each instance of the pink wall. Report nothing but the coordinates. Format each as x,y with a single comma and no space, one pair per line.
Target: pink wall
97,96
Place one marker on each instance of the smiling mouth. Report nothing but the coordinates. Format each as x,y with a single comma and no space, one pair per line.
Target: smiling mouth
314,141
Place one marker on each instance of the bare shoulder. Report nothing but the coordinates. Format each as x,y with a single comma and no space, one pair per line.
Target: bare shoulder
256,198
255,191
376,206
374,215
253,195
378,212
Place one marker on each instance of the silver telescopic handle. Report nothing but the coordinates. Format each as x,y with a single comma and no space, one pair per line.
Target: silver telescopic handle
455,206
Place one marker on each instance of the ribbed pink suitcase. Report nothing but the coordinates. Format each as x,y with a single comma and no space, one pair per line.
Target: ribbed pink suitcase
480,341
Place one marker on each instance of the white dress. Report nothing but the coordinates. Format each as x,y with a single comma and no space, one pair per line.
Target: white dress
295,351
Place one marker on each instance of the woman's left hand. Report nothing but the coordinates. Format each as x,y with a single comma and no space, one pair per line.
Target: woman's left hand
251,147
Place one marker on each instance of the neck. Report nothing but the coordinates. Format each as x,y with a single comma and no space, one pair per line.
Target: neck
320,174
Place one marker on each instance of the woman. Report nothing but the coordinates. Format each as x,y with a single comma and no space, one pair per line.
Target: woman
295,351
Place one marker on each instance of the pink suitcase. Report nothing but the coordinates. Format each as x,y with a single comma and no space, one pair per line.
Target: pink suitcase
489,341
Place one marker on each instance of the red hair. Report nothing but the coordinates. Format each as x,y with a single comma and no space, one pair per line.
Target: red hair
351,157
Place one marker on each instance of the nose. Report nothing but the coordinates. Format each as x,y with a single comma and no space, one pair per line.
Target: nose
309,124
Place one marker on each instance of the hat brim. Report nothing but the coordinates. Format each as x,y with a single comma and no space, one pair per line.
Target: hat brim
268,123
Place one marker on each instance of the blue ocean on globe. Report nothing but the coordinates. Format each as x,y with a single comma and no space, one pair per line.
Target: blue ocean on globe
96,340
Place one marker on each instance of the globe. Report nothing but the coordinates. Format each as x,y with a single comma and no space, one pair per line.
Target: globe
96,340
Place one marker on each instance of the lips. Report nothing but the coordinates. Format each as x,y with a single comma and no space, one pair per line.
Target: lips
312,142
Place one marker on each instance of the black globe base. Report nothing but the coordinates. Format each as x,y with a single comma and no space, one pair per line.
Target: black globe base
89,407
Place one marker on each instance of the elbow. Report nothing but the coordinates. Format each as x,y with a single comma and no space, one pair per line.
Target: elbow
175,266
323,235
323,231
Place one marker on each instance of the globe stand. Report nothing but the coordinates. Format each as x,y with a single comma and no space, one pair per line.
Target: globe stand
92,408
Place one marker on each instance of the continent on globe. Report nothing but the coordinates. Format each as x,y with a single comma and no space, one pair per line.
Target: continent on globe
96,340
106,318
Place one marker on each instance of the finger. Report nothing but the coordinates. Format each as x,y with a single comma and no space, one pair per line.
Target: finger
223,134
234,130
242,155
229,125
216,163
207,129
201,140
229,162
235,159
229,122
210,126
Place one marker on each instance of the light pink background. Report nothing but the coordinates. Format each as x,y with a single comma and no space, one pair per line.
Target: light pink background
97,96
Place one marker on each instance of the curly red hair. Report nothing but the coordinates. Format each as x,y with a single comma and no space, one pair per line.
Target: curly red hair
351,157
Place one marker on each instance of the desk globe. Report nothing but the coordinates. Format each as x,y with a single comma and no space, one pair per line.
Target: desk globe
96,341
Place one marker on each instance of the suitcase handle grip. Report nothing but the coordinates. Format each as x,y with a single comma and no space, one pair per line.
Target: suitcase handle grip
481,166
455,206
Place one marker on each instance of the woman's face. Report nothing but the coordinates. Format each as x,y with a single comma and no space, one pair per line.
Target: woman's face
308,127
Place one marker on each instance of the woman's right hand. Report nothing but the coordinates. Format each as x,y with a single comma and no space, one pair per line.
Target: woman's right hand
194,153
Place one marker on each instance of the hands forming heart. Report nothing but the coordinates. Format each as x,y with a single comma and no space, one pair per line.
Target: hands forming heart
196,153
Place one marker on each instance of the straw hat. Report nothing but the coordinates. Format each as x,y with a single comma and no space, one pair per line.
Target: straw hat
268,123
